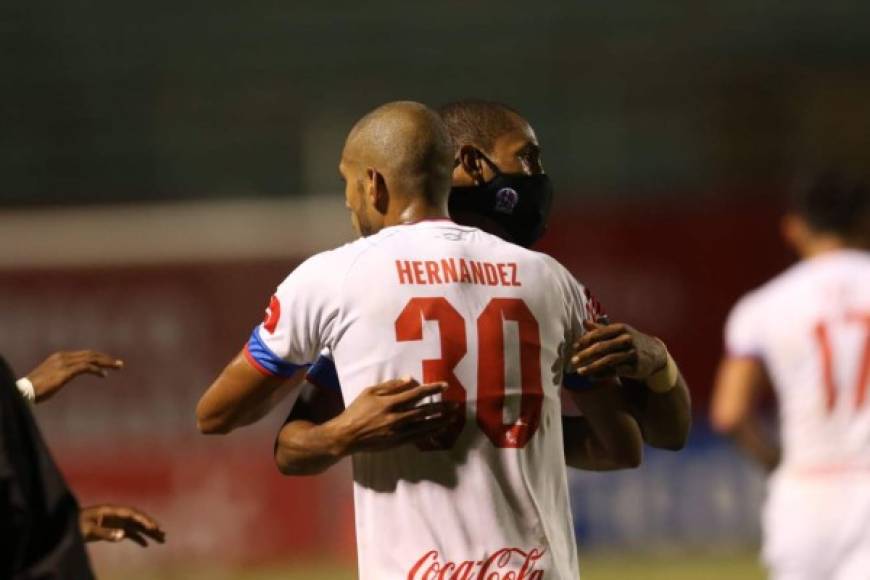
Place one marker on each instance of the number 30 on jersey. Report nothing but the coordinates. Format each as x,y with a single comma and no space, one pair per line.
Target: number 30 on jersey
490,365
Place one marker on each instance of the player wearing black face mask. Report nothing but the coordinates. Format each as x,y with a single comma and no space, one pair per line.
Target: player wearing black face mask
497,151
518,204
499,184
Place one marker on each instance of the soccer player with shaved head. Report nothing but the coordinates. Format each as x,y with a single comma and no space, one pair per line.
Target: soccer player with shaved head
499,185
485,325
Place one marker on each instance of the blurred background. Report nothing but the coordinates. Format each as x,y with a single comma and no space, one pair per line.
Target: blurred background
164,166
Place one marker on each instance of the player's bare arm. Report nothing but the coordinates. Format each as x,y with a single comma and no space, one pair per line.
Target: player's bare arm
56,371
586,449
662,406
381,417
739,385
589,450
240,396
111,523
316,405
608,437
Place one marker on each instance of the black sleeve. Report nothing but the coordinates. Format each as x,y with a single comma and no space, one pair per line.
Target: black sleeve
39,516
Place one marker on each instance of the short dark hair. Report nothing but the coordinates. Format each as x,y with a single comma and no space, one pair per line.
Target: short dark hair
834,202
478,122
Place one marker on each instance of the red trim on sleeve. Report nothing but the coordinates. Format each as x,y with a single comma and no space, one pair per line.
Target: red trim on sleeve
253,362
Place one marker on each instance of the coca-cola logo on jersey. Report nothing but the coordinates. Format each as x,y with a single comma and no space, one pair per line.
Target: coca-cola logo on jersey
505,564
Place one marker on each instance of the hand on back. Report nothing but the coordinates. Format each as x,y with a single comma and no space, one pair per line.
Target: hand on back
394,413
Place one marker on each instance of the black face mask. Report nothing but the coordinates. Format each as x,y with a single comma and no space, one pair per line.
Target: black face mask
519,203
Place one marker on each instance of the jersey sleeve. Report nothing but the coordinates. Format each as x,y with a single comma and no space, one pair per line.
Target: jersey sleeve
323,374
742,329
299,319
594,310
581,305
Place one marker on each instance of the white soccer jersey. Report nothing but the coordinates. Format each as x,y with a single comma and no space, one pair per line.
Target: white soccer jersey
438,301
810,326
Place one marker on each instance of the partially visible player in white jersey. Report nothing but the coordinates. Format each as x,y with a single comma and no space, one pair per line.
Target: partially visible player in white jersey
807,333
486,495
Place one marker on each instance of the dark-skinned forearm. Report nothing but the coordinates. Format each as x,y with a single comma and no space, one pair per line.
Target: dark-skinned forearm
584,449
664,418
750,436
306,448
240,396
614,440
231,418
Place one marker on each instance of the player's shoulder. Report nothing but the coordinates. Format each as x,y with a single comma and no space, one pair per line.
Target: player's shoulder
776,291
767,293
551,271
544,264
849,262
329,264
516,251
806,274
554,267
341,260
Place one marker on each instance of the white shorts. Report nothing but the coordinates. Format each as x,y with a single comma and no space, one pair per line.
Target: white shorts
817,527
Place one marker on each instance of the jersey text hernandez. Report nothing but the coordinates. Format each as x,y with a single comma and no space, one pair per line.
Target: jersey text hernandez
457,271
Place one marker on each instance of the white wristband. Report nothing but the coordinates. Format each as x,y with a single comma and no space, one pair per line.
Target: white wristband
25,387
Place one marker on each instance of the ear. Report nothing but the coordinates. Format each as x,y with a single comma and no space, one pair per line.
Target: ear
471,162
376,191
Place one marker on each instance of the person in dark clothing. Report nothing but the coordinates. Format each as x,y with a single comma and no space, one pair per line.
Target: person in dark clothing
42,528
39,516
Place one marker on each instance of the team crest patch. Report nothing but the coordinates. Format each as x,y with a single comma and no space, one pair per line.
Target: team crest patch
506,200
273,314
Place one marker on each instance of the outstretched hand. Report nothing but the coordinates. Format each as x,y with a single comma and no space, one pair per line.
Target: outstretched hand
608,350
114,523
61,367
